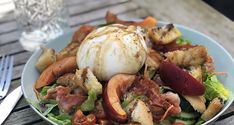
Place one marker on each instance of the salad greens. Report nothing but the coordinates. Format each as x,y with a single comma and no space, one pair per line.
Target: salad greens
61,119
45,89
214,88
128,100
199,122
49,108
182,41
44,106
89,104
152,73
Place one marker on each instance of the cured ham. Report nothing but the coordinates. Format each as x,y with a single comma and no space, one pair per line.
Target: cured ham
66,101
161,105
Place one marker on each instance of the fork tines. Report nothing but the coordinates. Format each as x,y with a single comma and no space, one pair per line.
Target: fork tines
6,67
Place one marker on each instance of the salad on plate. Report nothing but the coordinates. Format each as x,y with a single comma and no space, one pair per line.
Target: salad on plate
129,73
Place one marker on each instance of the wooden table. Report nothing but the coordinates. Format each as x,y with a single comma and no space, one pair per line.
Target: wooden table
194,14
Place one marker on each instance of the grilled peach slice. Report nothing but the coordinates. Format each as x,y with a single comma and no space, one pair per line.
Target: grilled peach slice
51,73
114,89
179,80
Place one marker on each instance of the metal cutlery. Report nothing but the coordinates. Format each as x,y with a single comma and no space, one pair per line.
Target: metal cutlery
9,103
6,68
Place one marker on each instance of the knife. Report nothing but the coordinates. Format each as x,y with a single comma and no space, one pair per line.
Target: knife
9,103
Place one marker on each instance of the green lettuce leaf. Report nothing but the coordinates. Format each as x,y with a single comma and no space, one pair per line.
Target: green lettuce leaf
199,122
214,88
49,108
44,106
182,41
45,89
61,119
89,103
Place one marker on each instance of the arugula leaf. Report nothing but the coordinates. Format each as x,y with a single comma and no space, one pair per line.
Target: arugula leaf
61,119
199,122
45,89
89,103
128,97
127,101
50,107
48,101
182,41
44,106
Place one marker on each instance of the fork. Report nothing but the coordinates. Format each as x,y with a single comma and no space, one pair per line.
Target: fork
6,67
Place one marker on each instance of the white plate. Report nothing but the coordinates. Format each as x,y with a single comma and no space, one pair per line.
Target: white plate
222,59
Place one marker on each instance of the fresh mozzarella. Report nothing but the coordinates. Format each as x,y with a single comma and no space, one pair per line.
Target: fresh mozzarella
112,50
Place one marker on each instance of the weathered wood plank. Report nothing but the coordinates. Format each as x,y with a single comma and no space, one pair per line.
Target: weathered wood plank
227,121
134,14
22,117
8,27
138,13
21,58
7,7
11,48
85,7
17,71
9,37
5,2
76,2
98,14
41,123
229,110
4,18
7,15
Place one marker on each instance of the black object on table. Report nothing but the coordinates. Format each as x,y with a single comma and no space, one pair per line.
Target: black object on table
226,7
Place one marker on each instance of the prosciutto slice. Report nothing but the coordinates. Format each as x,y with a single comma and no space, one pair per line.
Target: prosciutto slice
66,100
161,105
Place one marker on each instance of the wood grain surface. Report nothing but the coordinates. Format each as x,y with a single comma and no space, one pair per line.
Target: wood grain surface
193,13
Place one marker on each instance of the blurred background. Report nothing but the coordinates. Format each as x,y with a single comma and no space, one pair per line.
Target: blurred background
226,7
